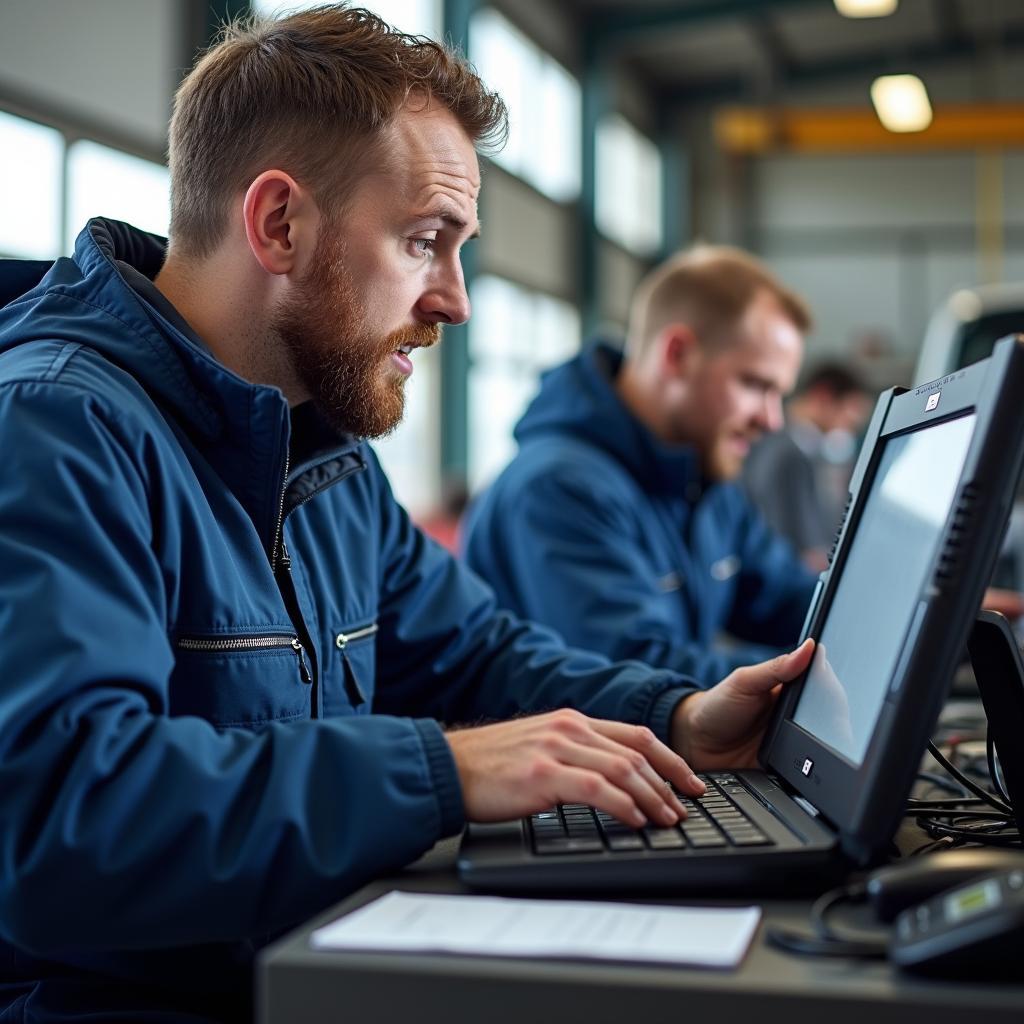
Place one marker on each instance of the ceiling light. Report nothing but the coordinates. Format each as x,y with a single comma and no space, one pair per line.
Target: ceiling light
901,103
866,8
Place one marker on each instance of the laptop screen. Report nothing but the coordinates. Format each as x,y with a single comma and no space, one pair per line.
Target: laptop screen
877,595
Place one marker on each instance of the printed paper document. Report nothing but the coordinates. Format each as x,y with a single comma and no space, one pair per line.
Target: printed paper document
501,926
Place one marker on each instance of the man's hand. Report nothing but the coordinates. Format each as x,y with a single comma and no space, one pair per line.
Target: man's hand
722,727
515,768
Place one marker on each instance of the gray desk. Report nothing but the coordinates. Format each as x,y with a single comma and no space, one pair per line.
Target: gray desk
299,986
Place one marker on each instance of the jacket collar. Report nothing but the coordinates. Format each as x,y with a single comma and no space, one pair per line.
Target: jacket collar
579,399
242,429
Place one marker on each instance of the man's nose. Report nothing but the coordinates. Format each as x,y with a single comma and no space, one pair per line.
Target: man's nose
446,300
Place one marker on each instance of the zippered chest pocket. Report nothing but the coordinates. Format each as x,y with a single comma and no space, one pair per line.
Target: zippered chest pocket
350,684
241,679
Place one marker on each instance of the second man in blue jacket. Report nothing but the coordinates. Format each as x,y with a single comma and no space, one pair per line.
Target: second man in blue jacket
618,523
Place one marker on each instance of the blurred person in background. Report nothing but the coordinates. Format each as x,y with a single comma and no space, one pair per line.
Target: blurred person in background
799,476
620,522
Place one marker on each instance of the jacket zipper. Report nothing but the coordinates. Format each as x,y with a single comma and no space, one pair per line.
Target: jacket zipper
356,694
342,640
279,560
249,643
279,531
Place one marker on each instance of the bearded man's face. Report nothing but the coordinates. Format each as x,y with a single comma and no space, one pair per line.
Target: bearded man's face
349,370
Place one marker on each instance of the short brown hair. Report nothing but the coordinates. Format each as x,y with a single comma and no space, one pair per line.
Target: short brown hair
708,287
312,94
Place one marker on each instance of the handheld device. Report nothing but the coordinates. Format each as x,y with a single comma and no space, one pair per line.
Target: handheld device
976,929
896,887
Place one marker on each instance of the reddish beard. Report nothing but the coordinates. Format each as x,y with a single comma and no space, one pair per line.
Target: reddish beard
344,366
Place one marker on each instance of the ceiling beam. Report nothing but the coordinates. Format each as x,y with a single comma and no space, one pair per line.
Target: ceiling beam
844,130
907,58
613,29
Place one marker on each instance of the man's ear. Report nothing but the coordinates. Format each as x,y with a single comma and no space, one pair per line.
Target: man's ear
280,221
680,350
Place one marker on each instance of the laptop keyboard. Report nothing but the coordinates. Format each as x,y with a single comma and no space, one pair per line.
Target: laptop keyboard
714,822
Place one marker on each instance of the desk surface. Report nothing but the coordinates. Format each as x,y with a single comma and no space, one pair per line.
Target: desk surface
300,986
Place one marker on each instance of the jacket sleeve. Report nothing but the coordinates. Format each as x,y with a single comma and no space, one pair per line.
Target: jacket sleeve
124,827
453,655
572,558
774,588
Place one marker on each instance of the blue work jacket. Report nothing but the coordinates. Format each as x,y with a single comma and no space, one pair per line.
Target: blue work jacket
225,656
616,541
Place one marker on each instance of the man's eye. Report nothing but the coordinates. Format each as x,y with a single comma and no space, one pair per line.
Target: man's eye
424,246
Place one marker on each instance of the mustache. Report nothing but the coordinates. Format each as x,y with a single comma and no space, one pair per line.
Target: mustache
418,335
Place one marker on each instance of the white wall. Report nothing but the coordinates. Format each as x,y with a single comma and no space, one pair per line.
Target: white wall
877,242
110,62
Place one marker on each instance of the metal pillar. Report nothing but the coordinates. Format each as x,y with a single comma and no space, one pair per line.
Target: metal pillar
454,388
594,105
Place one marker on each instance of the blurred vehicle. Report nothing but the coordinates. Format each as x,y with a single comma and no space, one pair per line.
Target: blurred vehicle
966,326
962,331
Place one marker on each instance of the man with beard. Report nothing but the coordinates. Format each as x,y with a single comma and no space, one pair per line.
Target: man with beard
618,523
227,653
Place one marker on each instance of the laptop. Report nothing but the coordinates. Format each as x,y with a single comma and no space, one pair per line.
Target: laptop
929,499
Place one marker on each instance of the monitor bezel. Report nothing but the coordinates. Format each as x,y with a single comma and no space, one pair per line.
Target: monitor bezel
863,803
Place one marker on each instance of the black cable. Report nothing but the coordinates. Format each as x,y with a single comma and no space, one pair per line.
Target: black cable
994,832
952,812
994,772
933,845
943,782
953,802
973,816
989,798
826,941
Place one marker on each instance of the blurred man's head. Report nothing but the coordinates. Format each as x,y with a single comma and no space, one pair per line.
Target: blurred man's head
714,343
327,165
832,397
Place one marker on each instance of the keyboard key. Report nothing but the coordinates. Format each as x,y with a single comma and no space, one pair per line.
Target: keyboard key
707,841
557,844
664,838
699,830
624,841
753,839
617,830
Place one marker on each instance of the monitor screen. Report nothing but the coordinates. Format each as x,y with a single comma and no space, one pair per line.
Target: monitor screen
881,579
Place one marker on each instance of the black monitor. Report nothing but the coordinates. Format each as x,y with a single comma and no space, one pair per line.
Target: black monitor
929,499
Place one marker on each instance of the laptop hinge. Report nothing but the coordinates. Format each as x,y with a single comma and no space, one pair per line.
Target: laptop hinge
805,804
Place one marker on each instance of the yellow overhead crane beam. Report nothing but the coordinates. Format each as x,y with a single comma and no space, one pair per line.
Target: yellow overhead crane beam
753,130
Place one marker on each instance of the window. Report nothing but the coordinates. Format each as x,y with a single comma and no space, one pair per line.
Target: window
543,102
108,183
30,179
60,186
419,17
514,335
628,186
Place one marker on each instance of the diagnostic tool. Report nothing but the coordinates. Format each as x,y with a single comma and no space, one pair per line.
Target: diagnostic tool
974,930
